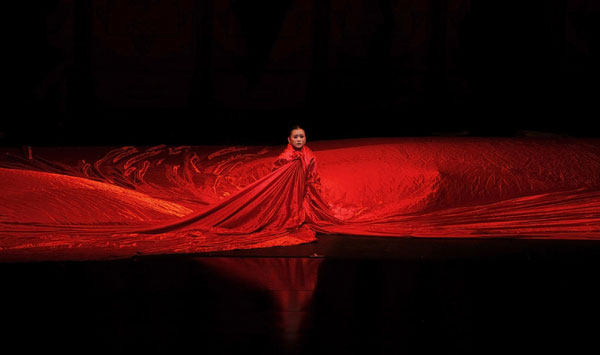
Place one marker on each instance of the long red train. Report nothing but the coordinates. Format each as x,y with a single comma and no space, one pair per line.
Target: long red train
110,202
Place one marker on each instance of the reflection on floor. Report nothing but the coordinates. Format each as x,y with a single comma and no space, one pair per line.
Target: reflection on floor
342,294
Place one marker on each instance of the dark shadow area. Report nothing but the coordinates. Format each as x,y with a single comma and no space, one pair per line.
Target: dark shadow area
366,295
225,72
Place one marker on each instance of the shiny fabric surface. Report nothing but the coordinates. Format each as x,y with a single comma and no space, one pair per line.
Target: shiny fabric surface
113,202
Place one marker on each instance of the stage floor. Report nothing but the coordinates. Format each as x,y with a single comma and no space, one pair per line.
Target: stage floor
341,294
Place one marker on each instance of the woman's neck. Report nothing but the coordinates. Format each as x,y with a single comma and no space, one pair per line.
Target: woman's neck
297,149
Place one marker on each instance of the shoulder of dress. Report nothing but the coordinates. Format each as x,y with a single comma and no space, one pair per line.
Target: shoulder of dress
309,152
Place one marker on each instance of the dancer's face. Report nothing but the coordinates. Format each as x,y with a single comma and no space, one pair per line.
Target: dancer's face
297,139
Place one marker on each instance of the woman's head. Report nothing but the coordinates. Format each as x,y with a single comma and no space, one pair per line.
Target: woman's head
297,137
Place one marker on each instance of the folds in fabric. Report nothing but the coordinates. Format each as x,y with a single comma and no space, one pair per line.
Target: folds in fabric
186,199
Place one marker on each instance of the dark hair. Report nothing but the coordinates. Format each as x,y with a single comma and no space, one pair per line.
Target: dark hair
293,128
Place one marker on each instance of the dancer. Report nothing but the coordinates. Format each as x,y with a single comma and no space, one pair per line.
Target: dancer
282,201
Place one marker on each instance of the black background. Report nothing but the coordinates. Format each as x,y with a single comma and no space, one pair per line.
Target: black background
490,68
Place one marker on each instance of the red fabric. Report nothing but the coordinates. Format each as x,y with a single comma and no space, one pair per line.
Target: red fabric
100,202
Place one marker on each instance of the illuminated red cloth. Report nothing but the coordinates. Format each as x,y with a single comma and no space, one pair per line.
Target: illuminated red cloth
189,199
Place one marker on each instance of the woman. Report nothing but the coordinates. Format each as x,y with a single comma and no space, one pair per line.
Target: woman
316,211
382,187
287,199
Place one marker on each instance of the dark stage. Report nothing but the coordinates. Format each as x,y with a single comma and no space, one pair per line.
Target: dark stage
470,123
342,294
98,72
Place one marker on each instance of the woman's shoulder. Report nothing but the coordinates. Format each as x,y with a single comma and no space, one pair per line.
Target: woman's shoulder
286,152
287,149
308,151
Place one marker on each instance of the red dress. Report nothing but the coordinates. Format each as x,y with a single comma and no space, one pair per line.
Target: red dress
286,202
137,202
314,208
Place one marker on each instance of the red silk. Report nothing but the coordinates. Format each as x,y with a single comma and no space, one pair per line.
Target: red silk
189,199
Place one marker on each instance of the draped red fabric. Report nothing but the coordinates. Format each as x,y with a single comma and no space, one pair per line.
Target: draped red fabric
112,202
